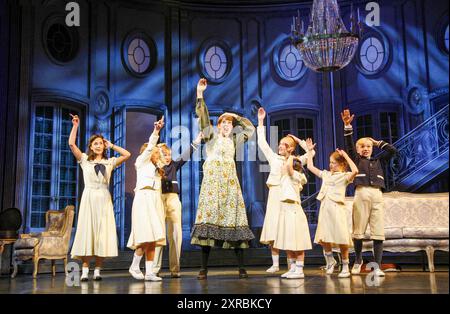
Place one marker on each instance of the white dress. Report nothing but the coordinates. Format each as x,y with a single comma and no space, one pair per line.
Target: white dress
293,230
147,214
276,162
332,226
96,227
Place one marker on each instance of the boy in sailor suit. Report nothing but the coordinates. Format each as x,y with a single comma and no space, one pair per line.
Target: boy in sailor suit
368,205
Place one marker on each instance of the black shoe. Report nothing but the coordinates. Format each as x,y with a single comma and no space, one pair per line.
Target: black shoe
242,273
98,278
85,279
202,275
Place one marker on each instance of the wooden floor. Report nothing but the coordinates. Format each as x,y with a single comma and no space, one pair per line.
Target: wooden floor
225,281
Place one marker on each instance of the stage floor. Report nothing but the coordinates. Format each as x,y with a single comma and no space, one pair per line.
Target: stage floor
225,281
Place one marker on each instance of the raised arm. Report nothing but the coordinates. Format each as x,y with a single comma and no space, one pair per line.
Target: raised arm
73,138
310,163
389,150
145,155
124,154
353,167
303,158
261,132
347,118
186,155
202,112
247,128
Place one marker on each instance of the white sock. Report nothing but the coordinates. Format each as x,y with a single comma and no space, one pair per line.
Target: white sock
84,271
148,267
329,258
291,261
97,272
276,260
299,266
136,261
345,263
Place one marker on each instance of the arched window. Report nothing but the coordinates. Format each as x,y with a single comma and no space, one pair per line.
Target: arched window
54,170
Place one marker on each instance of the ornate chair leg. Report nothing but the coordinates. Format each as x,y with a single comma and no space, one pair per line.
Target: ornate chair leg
430,255
53,268
14,274
36,267
65,265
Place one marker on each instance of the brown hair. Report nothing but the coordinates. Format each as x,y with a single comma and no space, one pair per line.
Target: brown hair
227,117
340,160
90,152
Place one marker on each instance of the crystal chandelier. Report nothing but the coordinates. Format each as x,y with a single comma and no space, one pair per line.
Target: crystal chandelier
327,45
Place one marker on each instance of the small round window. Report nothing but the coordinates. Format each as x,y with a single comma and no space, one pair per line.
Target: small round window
61,43
215,61
288,62
139,54
290,65
373,54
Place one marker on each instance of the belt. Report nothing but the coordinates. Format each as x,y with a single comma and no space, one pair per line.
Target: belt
96,186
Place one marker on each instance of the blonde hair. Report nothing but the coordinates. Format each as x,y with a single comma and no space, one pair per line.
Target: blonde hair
363,140
290,142
156,156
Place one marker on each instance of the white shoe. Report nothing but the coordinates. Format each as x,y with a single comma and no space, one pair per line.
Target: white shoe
152,277
136,273
330,268
84,277
291,270
378,272
297,274
273,269
344,274
356,269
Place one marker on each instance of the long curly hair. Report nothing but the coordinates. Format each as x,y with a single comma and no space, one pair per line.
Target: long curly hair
90,152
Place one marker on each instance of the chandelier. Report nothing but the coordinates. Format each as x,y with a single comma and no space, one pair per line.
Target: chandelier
327,45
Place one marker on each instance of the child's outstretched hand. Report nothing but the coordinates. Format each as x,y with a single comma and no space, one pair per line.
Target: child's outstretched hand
347,118
310,145
341,152
261,114
159,124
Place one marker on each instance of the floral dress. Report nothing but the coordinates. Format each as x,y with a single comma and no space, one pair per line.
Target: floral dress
221,218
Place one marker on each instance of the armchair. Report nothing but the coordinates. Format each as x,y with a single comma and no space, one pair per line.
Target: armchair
52,244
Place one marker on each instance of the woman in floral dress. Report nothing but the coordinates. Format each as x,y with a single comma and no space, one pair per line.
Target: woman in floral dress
221,219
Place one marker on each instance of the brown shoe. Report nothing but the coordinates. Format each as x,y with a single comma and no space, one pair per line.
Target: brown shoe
202,275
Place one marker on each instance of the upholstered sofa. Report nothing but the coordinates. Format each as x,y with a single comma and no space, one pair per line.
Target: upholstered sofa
52,244
413,222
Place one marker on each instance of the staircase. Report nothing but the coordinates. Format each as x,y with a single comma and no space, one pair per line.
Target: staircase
422,155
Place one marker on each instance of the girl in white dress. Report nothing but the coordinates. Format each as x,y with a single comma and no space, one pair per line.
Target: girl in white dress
276,161
147,218
293,230
96,227
332,227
